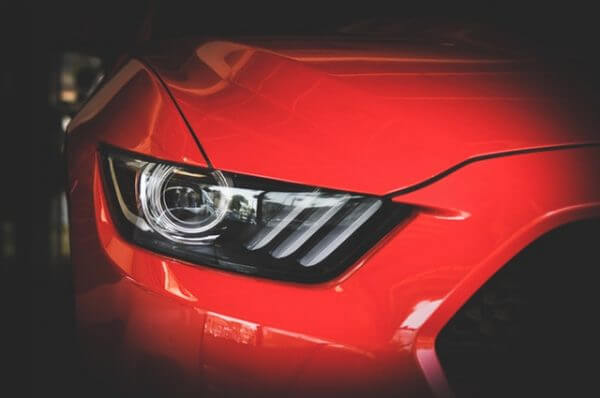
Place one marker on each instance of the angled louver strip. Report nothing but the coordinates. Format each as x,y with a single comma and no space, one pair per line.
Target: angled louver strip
341,232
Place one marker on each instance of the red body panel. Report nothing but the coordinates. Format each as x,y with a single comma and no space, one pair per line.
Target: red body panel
371,330
392,118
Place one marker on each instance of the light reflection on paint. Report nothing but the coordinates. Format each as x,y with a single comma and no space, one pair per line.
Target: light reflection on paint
249,333
420,313
172,285
227,328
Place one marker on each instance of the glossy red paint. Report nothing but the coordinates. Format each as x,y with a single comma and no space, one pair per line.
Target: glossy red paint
371,331
134,111
393,117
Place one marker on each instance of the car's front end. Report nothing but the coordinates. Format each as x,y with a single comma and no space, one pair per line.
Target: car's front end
293,217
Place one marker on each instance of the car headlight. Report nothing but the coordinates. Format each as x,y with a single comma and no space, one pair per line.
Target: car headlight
241,223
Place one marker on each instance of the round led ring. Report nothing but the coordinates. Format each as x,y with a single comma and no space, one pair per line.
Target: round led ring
153,185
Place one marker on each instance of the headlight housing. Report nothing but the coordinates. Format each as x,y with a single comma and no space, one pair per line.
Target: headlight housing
240,223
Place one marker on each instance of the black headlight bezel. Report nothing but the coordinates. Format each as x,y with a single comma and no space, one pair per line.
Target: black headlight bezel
386,218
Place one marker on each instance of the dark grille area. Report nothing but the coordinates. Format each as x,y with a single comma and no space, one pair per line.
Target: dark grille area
531,328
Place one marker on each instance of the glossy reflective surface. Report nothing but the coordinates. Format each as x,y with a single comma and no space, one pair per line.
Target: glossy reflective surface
393,114
370,331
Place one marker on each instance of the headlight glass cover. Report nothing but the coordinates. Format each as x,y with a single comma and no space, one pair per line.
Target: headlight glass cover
241,223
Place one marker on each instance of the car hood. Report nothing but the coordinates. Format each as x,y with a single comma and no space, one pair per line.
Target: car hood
363,116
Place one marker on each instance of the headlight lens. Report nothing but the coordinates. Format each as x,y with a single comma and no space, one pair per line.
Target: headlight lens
246,224
180,205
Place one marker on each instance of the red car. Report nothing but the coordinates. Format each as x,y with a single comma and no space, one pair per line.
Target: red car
297,217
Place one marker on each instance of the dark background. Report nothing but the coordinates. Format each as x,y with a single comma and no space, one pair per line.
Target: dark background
41,43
